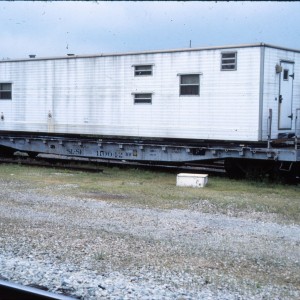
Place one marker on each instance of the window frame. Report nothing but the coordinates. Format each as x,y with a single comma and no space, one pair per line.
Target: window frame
144,100
229,58
198,84
145,70
5,91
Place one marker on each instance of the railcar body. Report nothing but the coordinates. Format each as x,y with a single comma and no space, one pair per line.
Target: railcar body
238,103
217,93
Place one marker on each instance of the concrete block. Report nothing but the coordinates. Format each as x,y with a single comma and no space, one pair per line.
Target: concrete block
192,180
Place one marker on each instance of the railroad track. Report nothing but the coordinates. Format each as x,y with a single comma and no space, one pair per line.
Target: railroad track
54,162
96,165
12,291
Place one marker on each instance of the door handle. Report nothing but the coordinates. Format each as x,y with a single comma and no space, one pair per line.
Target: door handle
291,116
280,98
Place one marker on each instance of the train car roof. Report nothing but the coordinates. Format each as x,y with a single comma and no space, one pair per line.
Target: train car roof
72,56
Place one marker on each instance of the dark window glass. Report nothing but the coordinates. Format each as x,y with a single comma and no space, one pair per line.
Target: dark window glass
5,86
228,55
228,67
143,70
143,98
189,79
189,90
228,61
189,85
285,74
5,95
5,91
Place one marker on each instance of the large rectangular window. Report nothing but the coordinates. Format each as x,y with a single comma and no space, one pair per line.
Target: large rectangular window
228,61
143,98
145,70
5,91
189,85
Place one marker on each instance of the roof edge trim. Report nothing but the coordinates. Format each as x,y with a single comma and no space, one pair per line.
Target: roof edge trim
153,52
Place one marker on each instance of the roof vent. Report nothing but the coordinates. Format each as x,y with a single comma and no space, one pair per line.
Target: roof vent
32,56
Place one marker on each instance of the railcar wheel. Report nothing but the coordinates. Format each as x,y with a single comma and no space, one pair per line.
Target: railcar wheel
233,169
251,169
291,176
32,154
6,151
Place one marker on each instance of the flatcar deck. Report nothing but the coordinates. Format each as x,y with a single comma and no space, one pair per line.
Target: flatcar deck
139,150
283,155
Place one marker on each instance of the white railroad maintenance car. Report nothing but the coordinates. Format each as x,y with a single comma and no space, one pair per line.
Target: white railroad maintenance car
238,102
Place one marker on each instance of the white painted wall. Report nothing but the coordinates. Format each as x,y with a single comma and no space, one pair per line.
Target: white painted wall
271,88
94,96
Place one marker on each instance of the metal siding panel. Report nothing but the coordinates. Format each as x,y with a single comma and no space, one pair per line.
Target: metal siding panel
271,87
94,96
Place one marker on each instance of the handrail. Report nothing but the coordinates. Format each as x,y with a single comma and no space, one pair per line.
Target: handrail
269,125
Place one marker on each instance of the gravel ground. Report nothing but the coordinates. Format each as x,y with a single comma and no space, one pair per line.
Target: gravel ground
96,249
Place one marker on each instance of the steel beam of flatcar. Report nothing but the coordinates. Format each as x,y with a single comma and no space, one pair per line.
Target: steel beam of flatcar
142,151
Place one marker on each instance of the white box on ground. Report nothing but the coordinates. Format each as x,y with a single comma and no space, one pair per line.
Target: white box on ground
192,180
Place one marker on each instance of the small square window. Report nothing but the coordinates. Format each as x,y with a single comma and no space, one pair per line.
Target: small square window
285,74
143,98
5,91
189,85
228,61
145,70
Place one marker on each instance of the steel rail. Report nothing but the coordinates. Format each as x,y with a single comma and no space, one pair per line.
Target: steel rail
96,165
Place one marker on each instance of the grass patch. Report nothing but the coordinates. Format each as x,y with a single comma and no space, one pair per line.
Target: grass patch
99,256
157,190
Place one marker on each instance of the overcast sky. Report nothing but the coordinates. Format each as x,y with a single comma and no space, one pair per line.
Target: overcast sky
57,28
